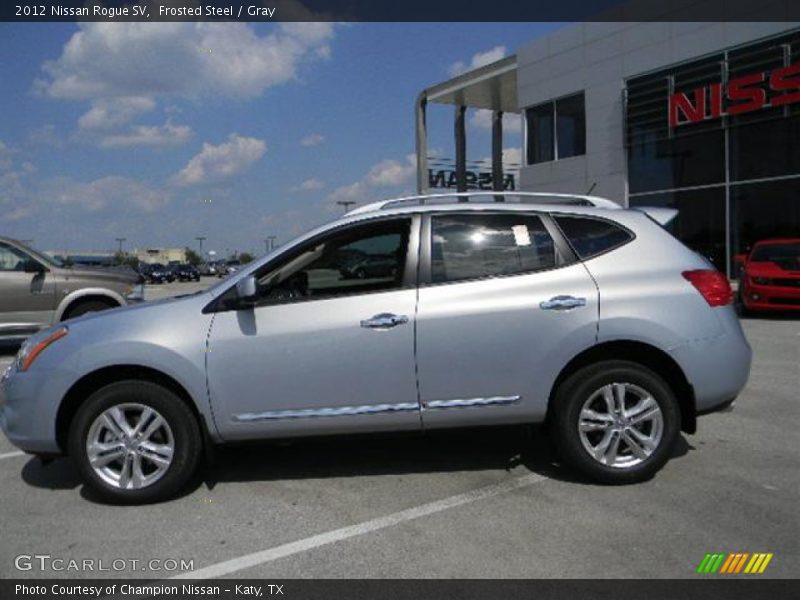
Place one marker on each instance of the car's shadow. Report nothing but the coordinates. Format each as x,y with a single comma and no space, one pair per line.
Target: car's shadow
489,448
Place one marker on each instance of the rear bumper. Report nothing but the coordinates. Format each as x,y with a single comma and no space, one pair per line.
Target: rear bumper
716,368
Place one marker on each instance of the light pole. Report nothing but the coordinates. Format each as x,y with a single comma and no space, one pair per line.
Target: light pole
346,204
201,239
119,241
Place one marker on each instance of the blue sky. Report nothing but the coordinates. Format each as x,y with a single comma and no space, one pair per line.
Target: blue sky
160,132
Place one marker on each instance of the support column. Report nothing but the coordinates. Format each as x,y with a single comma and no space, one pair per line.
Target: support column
497,153
422,144
461,149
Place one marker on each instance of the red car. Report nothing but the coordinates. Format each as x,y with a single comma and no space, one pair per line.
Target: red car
771,276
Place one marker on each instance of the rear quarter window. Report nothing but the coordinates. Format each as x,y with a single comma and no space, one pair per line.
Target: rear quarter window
590,237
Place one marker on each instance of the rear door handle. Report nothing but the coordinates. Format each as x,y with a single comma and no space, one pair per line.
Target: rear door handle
384,321
562,303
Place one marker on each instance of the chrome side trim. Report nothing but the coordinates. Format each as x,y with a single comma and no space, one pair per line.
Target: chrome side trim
466,402
343,411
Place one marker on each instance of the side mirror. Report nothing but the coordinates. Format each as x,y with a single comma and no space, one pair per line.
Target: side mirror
246,290
31,266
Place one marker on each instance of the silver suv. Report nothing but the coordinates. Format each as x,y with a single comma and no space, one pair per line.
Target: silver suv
37,290
538,309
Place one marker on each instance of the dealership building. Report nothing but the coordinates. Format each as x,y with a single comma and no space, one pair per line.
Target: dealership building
702,117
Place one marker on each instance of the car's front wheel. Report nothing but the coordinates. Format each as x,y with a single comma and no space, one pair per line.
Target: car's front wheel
616,422
135,442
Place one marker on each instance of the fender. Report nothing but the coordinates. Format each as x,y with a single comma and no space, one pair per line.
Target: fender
67,300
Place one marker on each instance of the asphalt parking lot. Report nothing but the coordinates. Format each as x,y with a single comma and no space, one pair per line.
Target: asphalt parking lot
467,504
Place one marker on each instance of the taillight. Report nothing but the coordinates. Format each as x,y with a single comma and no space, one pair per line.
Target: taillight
712,285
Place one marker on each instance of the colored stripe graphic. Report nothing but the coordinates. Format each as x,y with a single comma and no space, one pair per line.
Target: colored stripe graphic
733,563
731,560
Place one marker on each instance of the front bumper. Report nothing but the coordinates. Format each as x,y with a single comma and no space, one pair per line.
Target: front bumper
27,413
771,297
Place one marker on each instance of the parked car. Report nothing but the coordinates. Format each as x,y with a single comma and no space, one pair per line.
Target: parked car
539,309
770,276
376,265
228,267
157,273
37,290
185,272
207,269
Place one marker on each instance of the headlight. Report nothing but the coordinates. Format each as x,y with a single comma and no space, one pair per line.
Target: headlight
135,292
760,280
32,348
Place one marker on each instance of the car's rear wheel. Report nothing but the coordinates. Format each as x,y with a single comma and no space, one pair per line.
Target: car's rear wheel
88,306
135,442
616,422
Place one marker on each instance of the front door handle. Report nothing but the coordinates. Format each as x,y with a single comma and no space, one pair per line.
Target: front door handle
562,303
384,321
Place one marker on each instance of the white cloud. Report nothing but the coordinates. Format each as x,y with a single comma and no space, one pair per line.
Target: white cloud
108,192
112,60
354,191
478,60
145,135
45,136
315,139
482,119
392,172
309,185
215,163
386,173
512,159
110,113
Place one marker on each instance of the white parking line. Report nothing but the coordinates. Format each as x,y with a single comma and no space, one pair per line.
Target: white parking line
11,454
337,535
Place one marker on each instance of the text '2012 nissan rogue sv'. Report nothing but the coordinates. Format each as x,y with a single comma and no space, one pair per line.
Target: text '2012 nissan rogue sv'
540,309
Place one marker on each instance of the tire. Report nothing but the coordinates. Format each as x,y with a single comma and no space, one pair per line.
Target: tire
360,274
157,481
88,306
588,389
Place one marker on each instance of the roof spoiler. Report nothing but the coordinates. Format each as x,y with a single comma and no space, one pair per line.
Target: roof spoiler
662,216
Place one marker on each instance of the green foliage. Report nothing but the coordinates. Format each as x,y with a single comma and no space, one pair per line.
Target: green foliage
192,257
122,259
245,257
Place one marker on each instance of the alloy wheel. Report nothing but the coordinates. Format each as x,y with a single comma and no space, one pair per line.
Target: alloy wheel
130,446
620,425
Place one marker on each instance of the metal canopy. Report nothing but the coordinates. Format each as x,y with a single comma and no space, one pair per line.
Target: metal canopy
493,87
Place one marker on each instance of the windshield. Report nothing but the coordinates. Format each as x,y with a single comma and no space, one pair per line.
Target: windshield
776,252
45,258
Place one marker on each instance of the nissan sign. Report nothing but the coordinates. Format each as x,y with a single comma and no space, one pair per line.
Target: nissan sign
740,95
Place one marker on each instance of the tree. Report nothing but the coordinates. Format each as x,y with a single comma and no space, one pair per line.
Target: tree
192,257
245,257
122,259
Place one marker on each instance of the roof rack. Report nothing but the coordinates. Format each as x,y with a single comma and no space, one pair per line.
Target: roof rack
499,197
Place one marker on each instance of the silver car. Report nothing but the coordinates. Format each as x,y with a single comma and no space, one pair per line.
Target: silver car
540,309
37,290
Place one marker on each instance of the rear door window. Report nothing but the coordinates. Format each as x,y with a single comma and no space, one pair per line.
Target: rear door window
472,246
590,237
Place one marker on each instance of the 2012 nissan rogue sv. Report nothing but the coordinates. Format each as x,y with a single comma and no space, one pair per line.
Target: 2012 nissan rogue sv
539,308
